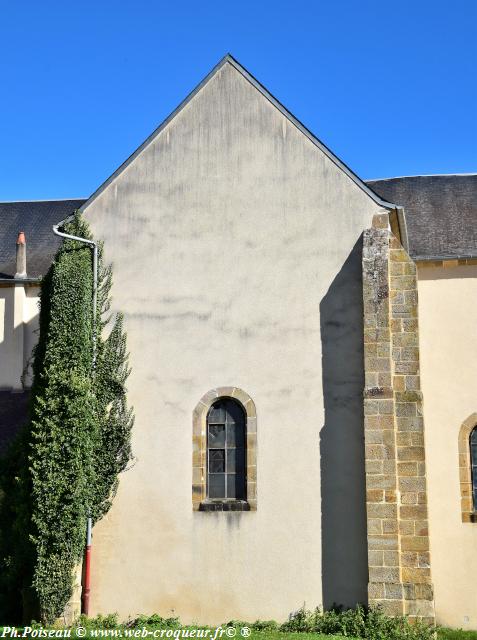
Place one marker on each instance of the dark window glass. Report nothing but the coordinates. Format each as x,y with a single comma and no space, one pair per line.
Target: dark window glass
217,413
234,413
216,460
216,485
216,435
235,435
235,460
235,485
226,454
473,462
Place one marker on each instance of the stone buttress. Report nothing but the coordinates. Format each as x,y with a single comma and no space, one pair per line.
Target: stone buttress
396,494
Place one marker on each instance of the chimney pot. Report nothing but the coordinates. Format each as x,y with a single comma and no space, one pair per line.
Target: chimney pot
21,256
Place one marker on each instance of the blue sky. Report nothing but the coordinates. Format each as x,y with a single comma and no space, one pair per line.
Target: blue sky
390,87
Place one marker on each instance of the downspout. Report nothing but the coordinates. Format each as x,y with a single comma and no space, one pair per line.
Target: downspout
402,227
87,552
87,569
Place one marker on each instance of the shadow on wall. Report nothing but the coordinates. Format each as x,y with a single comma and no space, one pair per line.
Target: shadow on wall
343,492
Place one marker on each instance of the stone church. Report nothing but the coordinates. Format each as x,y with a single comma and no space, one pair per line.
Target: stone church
304,355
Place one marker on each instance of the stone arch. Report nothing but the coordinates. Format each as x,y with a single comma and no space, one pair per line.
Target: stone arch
465,473
199,444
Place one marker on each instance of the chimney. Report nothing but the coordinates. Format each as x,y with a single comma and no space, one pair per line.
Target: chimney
21,256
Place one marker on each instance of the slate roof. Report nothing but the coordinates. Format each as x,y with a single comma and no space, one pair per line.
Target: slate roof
440,213
36,220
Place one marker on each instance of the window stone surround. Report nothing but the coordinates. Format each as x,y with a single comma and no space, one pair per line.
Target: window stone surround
199,452
465,473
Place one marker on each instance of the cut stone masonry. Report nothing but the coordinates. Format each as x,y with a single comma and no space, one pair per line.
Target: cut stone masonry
396,495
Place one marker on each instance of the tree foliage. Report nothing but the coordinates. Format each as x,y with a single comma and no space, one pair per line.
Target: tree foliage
65,464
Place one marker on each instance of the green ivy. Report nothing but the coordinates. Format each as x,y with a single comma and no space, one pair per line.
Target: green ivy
65,463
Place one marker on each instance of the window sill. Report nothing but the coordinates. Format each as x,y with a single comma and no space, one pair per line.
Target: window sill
469,516
224,505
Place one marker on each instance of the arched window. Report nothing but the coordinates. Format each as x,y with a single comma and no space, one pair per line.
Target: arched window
473,465
226,440
224,451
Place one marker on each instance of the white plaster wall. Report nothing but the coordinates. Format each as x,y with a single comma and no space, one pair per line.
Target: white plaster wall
448,339
227,234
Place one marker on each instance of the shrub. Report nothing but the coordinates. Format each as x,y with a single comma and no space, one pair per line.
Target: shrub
361,622
156,621
264,625
258,625
109,621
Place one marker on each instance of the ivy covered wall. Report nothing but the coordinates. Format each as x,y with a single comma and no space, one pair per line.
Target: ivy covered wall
65,463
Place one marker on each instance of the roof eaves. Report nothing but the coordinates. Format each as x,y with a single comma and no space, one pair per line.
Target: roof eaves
424,175
444,257
47,200
20,280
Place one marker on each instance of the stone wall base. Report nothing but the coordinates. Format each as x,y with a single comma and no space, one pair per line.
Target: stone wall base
416,601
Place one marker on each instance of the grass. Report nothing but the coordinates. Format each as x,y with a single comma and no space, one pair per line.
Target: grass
287,635
352,625
444,633
441,634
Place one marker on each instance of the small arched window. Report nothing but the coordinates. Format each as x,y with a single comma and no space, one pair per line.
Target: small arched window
226,451
473,465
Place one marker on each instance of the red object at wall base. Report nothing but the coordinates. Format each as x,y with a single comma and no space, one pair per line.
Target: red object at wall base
87,569
86,581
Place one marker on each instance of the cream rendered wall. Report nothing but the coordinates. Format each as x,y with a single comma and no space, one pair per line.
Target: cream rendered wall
448,340
31,315
230,234
8,338
18,333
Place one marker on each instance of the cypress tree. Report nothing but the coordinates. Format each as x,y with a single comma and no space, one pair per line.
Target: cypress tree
78,437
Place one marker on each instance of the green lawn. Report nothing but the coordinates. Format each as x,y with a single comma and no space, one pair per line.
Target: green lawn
456,634
109,628
281,635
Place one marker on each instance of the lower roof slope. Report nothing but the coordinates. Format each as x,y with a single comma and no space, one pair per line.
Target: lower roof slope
440,213
36,220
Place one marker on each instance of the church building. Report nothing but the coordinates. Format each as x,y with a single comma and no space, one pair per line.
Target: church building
303,348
